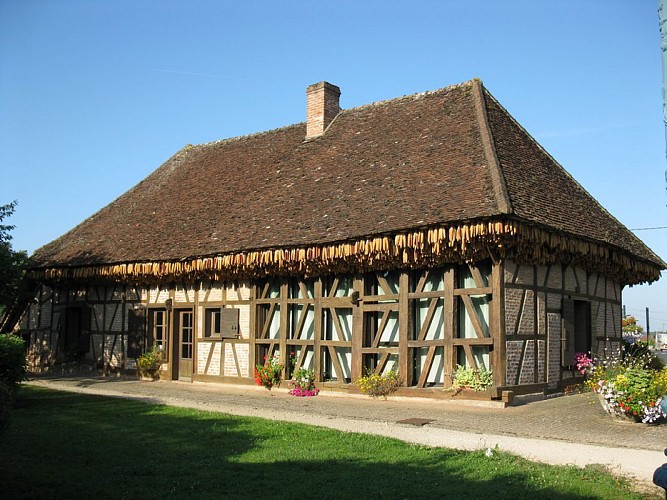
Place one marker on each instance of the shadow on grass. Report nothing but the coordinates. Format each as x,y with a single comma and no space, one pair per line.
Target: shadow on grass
64,445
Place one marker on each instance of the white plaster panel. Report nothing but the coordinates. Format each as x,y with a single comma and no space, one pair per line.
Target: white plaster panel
206,350
214,294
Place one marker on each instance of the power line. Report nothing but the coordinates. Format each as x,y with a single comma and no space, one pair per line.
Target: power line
648,228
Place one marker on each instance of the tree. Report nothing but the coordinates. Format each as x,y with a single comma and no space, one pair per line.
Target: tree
12,264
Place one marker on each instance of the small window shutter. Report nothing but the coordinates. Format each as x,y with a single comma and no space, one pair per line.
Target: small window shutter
136,332
568,333
229,323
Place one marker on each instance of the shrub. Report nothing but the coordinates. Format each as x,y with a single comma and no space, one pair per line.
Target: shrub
375,385
12,361
477,380
150,361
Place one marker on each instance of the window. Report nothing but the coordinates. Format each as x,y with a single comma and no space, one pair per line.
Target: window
473,313
221,322
187,338
158,330
212,325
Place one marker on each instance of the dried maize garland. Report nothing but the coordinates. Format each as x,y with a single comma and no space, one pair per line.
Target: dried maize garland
421,248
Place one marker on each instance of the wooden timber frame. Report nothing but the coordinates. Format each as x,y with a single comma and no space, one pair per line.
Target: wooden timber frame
510,316
340,326
72,324
344,326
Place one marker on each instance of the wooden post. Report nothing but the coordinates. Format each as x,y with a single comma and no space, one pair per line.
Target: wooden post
357,330
497,325
404,358
449,320
282,332
252,329
317,331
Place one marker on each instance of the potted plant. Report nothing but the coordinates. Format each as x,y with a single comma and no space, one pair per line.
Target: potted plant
270,373
149,363
303,383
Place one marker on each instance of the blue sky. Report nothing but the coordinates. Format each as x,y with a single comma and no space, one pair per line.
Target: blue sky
94,95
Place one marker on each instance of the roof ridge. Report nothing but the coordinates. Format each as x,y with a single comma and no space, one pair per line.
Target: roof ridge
493,163
416,95
242,137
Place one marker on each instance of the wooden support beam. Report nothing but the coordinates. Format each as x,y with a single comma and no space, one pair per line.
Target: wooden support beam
426,367
318,332
405,367
472,314
252,330
450,327
357,329
283,332
429,318
337,365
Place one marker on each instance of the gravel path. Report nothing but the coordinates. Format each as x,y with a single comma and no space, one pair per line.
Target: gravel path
561,430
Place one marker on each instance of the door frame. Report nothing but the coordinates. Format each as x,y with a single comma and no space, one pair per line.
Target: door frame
176,344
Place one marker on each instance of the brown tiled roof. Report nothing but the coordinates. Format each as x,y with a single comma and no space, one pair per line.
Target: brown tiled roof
543,192
426,160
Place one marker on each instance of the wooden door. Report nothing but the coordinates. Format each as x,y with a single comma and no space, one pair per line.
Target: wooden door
183,343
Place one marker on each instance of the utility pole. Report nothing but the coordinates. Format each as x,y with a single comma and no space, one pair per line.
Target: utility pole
648,328
662,17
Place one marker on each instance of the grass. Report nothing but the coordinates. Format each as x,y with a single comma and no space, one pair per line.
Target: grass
65,445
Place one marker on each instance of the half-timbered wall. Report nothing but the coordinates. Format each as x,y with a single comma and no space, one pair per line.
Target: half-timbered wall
423,323
552,312
85,324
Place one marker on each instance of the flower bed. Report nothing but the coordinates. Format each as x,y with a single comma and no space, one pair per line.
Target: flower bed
628,382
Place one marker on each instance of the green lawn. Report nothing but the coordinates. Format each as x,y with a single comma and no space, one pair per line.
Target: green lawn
65,445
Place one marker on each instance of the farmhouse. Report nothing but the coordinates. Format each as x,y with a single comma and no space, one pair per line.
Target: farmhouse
416,234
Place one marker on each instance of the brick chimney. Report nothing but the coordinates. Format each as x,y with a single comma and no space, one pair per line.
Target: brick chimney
322,107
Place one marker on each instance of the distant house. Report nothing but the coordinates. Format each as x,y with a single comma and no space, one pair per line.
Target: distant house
416,234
